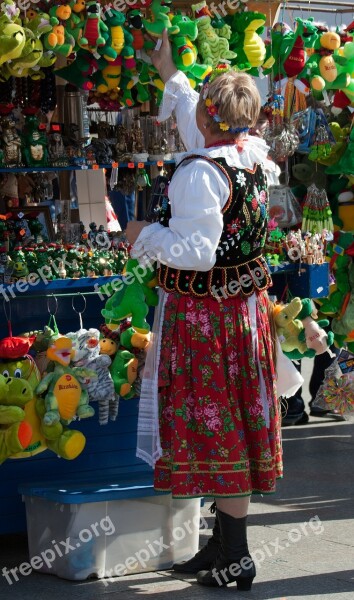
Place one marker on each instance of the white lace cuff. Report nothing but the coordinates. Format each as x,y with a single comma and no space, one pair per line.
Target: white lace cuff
144,242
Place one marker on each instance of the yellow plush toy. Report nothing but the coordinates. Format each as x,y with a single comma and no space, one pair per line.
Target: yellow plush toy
288,326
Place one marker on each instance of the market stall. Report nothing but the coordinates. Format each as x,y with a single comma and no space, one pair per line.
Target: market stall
82,150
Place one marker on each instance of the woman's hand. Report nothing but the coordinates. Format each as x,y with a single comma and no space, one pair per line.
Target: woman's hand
133,230
162,58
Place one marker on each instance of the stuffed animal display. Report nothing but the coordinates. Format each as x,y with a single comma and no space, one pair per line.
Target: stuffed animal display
300,335
109,48
136,292
22,376
64,397
86,353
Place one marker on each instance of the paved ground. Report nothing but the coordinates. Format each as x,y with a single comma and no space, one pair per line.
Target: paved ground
302,537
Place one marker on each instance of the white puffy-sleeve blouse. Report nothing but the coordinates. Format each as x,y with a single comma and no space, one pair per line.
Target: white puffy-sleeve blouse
198,190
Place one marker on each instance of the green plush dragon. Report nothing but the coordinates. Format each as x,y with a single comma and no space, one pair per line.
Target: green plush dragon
135,294
160,10
212,46
246,42
66,443
64,397
15,432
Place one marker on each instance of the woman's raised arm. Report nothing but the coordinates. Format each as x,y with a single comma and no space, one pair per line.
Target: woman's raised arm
178,96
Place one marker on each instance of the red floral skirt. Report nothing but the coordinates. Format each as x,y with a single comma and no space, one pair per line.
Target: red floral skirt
213,429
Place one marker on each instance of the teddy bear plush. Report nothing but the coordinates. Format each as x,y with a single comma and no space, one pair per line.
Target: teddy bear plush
86,353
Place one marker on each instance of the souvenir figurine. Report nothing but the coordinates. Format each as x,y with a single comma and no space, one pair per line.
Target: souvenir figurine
11,144
56,148
35,151
92,234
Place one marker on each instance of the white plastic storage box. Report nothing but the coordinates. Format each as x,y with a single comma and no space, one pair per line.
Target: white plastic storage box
108,529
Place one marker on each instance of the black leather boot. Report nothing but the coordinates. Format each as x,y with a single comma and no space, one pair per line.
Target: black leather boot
234,562
206,555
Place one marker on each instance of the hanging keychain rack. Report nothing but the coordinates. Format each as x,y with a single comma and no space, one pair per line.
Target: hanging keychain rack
53,296
305,7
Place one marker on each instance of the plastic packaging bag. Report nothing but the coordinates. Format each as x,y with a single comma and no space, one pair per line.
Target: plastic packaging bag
284,207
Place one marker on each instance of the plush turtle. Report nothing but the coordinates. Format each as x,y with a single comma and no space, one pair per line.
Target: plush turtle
12,39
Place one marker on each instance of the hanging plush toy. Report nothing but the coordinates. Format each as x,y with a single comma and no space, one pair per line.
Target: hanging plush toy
59,39
15,431
93,28
86,353
31,54
124,371
12,34
160,10
289,327
117,52
345,165
246,42
64,397
134,297
16,363
184,52
212,48
322,69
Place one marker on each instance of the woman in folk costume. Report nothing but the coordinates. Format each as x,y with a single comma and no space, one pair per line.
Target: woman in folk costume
219,422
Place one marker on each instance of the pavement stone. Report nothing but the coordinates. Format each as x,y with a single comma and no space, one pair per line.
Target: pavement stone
302,537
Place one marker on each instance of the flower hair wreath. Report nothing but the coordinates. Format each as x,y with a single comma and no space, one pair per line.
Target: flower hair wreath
213,109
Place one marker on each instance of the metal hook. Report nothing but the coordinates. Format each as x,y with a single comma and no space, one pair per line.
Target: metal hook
52,314
79,312
7,315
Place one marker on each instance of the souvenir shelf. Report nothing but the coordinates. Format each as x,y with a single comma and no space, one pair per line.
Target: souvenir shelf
94,167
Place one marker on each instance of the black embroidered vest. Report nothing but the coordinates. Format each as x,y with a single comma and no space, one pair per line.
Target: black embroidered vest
240,266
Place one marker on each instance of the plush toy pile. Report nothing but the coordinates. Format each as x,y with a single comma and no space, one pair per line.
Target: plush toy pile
110,48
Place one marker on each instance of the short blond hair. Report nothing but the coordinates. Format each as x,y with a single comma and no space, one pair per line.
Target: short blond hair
237,98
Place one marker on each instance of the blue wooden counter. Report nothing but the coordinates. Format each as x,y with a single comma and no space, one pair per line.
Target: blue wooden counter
110,449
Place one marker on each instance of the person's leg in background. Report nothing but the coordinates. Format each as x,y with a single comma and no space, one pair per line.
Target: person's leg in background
293,408
321,363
